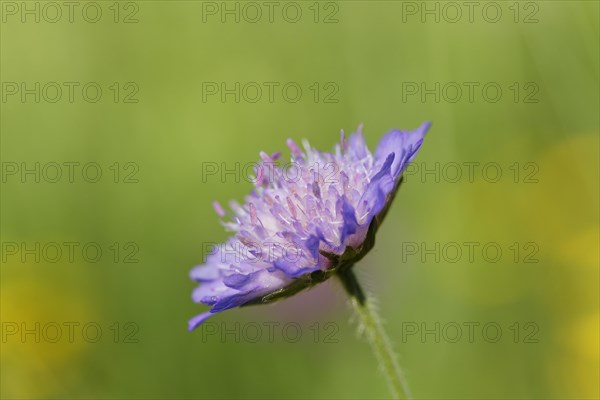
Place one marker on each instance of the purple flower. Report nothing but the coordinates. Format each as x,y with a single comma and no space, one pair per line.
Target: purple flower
304,221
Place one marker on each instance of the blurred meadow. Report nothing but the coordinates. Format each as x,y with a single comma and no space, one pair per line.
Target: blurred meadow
486,269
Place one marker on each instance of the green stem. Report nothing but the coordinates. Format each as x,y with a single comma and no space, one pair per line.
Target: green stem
375,334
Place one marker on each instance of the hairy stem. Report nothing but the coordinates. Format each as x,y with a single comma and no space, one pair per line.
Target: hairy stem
375,333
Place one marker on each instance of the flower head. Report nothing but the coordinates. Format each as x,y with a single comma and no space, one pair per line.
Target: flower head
304,221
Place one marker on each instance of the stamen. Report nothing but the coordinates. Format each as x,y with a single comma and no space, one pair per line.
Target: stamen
253,217
292,208
359,129
218,209
294,147
316,190
265,156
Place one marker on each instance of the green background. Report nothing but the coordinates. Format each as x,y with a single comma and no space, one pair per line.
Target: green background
170,133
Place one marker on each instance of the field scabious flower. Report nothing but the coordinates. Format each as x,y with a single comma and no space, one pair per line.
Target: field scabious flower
325,206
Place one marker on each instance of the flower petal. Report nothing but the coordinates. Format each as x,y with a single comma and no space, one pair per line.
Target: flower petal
292,270
357,148
198,320
403,144
375,196
311,218
257,284
204,273
349,217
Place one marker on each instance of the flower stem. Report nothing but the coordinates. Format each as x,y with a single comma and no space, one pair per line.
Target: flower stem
373,328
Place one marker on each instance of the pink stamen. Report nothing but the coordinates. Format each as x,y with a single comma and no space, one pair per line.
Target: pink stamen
359,129
219,210
292,208
293,147
265,157
253,216
261,176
